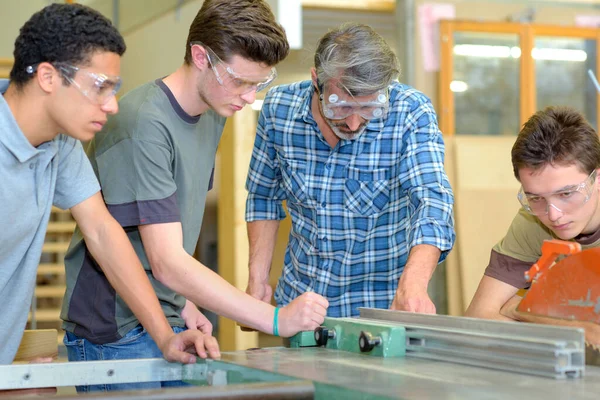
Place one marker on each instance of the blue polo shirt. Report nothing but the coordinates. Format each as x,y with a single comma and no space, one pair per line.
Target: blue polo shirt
32,179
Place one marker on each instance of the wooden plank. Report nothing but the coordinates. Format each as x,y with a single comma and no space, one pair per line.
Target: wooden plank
55,247
46,315
61,227
57,210
50,291
565,31
51,269
5,67
356,5
527,104
486,202
37,343
235,150
446,104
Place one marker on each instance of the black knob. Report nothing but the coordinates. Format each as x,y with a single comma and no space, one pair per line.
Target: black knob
321,335
366,341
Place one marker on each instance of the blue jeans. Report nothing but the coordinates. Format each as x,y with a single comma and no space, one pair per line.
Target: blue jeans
135,344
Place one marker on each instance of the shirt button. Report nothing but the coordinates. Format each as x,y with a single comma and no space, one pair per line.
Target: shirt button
31,166
324,238
327,166
323,204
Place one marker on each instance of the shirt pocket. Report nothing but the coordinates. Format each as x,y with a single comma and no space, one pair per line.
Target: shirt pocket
294,179
366,192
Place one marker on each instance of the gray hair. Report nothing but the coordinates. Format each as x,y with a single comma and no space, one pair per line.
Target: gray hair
358,56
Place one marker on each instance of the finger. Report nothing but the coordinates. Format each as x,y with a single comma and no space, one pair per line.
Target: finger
191,326
199,345
212,346
320,310
316,319
206,328
183,357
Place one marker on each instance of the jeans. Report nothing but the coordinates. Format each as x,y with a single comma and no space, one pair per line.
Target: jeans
135,344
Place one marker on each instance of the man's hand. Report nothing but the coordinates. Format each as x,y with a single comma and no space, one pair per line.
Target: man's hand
260,290
412,298
179,346
195,320
304,313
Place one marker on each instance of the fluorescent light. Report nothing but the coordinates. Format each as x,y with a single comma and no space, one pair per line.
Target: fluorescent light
482,50
458,86
257,105
515,52
487,51
559,54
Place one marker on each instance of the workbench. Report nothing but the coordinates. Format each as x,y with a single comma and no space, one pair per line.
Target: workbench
385,367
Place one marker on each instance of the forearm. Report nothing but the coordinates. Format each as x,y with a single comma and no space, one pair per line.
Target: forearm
419,268
187,276
485,313
125,273
262,236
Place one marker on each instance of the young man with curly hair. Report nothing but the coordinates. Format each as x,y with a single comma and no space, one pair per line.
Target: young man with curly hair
64,79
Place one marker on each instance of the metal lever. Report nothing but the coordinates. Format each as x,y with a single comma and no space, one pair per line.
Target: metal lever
367,342
323,334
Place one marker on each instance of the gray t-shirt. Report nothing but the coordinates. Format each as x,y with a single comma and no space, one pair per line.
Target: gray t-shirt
154,163
31,180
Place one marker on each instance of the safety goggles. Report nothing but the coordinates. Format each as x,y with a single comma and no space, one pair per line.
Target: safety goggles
233,82
565,201
336,108
98,88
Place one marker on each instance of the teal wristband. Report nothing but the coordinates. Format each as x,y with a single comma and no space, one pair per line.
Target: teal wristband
276,322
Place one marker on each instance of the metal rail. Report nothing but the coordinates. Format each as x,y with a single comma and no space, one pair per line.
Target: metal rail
550,351
26,376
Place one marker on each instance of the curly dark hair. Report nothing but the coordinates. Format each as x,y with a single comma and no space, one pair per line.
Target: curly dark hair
67,33
556,136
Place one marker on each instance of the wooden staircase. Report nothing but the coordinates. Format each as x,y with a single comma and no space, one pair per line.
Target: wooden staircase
50,285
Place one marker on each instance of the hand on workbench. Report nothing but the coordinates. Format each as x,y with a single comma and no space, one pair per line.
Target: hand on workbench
260,290
304,313
194,319
179,347
414,299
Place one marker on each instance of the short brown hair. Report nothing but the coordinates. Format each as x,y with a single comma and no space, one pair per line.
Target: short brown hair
556,136
246,28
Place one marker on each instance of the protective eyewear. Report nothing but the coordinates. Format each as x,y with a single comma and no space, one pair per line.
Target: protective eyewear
98,88
336,108
566,200
233,82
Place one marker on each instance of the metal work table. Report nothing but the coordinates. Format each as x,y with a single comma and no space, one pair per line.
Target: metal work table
382,355
362,376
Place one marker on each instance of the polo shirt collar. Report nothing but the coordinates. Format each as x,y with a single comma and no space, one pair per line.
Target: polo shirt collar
12,137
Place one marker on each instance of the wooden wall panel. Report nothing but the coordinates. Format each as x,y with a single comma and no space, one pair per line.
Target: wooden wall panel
485,191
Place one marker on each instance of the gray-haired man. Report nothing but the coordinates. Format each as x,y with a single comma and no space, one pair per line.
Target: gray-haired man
358,157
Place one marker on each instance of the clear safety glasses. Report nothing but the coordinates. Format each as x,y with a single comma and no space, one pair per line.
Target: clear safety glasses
565,201
336,108
230,80
98,88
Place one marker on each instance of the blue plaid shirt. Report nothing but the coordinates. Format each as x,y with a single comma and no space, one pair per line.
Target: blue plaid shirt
356,209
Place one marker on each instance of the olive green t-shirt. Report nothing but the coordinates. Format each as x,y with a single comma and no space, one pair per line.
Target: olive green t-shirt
155,165
522,246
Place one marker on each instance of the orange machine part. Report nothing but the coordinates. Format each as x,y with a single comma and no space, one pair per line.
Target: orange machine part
569,289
